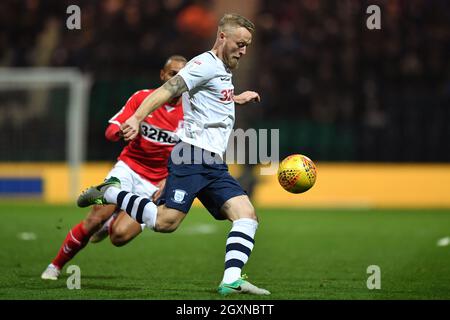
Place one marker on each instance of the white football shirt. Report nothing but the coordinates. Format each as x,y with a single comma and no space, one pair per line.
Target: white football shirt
208,104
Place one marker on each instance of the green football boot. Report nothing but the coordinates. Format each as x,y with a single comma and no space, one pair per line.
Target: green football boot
95,195
241,285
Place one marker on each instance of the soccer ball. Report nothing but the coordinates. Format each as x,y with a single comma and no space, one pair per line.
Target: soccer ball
297,173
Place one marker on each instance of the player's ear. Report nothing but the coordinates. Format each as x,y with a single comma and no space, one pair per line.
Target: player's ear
161,75
222,35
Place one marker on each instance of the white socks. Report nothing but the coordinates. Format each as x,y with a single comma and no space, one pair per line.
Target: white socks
239,245
139,208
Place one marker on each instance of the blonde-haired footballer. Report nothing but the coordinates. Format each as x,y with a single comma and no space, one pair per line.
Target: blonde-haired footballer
196,168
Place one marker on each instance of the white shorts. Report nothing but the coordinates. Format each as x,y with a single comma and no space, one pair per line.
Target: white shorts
131,181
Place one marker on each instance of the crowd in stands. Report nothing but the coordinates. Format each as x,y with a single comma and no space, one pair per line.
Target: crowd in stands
372,95
388,89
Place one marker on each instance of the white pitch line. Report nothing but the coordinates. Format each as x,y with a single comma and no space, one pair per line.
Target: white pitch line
200,229
27,236
443,242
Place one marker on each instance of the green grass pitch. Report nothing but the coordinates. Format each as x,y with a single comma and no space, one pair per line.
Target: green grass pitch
299,254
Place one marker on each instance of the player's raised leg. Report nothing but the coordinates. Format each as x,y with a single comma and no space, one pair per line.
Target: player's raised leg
141,209
77,238
239,245
109,192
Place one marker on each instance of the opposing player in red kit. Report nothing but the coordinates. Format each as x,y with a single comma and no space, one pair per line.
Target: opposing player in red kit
141,168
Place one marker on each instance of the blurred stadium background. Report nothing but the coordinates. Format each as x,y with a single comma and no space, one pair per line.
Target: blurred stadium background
370,107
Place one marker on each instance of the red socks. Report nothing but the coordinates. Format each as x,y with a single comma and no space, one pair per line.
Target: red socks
76,239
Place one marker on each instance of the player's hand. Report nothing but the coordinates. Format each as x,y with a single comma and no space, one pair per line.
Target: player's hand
160,186
130,128
247,96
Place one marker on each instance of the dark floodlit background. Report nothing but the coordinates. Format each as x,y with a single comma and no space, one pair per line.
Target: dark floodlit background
336,90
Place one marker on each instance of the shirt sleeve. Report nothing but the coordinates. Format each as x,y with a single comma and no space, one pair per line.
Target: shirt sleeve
198,71
112,132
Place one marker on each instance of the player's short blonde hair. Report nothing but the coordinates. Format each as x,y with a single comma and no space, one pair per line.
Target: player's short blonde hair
233,20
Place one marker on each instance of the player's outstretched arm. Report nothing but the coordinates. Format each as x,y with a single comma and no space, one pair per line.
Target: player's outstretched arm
169,90
247,96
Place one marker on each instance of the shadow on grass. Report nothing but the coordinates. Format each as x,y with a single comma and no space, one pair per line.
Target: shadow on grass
65,276
111,288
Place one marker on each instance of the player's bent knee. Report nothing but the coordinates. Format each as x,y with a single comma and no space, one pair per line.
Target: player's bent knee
119,240
117,237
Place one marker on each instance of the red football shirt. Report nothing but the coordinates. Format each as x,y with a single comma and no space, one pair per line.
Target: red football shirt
148,153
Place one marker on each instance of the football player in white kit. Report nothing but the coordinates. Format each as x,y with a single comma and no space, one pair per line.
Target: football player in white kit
196,168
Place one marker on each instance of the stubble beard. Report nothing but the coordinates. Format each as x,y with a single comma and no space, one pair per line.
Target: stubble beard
231,64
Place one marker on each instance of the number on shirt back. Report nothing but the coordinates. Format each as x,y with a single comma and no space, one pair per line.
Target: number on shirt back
227,95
